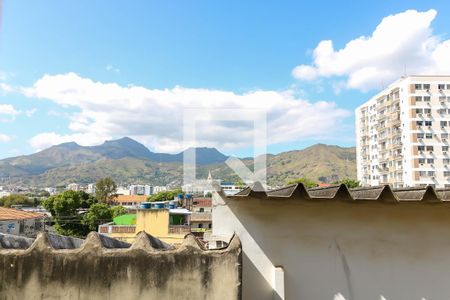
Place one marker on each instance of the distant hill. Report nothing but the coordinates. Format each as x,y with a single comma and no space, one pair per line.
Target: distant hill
128,161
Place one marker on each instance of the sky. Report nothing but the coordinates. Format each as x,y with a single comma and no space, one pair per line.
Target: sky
94,70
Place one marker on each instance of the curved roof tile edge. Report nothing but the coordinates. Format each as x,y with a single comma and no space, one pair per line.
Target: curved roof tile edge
385,194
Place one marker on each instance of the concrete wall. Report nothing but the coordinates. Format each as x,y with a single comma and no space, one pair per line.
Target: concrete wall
104,268
359,249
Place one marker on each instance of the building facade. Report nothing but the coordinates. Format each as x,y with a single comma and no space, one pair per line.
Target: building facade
402,134
170,225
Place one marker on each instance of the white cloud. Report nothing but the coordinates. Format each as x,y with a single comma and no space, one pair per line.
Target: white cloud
401,41
8,109
4,138
6,87
111,68
7,112
154,117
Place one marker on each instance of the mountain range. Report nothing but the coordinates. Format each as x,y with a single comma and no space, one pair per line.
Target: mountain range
128,161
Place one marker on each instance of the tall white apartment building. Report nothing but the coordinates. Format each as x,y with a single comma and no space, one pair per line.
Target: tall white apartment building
402,134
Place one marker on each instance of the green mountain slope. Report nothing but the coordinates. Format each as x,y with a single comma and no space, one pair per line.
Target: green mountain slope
128,161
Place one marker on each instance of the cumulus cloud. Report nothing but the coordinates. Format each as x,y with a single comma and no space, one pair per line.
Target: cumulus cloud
4,138
155,116
404,41
7,112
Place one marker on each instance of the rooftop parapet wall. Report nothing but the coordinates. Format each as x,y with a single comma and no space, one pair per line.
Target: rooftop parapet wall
365,243
56,267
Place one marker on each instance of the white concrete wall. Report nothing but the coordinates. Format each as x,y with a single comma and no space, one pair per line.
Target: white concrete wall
359,250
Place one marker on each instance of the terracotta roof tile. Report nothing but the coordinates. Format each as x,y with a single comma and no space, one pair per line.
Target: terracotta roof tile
15,214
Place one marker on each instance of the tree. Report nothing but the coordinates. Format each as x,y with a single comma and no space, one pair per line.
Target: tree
105,190
118,211
349,182
308,183
165,196
16,199
64,209
99,213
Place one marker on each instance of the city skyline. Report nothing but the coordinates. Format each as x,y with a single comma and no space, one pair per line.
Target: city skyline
63,79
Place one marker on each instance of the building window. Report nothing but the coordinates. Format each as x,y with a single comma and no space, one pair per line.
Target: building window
420,123
444,135
447,173
421,161
421,148
420,135
426,98
429,135
441,86
443,123
201,209
426,86
422,173
428,123
430,148
430,173
444,148
430,161
446,161
419,110
418,86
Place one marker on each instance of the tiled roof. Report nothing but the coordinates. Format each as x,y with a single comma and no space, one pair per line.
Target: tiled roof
202,202
341,192
130,198
7,214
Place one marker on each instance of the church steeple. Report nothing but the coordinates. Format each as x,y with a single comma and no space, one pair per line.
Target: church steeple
209,176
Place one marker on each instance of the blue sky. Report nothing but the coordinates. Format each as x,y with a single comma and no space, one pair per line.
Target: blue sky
202,47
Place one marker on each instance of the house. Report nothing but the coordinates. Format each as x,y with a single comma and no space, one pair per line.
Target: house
335,243
160,219
19,222
201,219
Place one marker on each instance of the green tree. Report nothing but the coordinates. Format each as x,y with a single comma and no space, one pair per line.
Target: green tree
308,183
118,211
105,190
64,209
16,199
165,196
240,184
99,213
349,182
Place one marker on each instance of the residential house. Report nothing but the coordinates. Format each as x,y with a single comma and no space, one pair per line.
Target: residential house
19,222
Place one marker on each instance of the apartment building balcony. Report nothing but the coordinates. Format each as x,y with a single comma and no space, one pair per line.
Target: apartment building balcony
179,229
108,228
